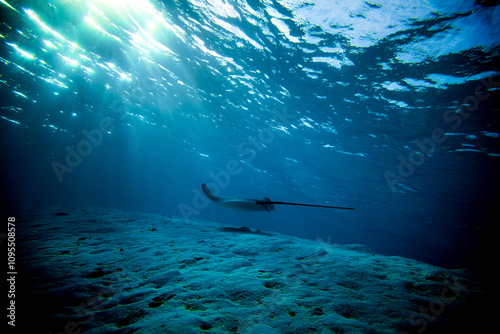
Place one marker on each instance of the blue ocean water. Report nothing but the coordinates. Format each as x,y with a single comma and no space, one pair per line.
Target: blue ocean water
390,107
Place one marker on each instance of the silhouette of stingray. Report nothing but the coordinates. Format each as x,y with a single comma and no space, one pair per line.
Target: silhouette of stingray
250,204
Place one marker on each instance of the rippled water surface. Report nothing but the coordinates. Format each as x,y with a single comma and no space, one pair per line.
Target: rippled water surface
390,107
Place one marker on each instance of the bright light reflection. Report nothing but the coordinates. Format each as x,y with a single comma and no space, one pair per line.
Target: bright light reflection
32,15
125,76
49,44
144,27
10,120
70,61
92,22
88,70
20,94
21,51
8,5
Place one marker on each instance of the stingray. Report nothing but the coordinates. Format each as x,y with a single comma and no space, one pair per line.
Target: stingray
250,204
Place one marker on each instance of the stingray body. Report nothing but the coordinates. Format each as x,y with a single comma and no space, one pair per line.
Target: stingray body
249,204
240,203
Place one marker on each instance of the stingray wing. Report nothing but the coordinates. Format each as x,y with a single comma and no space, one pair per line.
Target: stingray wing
267,203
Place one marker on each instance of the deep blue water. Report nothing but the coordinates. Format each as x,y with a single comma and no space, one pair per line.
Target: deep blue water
391,107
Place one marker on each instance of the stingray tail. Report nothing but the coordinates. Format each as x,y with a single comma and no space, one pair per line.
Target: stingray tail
312,205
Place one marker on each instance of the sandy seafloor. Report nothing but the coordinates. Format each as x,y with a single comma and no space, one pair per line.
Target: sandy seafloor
95,270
